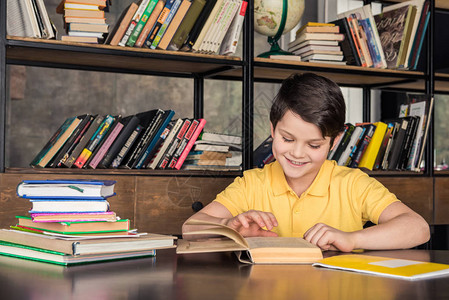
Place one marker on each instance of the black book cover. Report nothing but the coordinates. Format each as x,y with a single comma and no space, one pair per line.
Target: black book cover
196,29
344,142
348,44
130,123
84,140
409,138
357,156
132,139
398,143
147,121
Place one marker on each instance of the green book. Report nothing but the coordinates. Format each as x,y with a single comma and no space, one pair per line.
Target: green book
59,258
186,25
138,29
76,227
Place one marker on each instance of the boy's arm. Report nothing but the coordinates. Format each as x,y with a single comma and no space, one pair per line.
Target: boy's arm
250,223
399,227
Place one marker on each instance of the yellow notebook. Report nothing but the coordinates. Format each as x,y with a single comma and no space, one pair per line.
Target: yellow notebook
384,266
370,155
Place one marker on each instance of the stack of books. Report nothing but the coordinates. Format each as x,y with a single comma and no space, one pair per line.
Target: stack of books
84,20
192,25
318,42
70,223
148,139
397,144
215,151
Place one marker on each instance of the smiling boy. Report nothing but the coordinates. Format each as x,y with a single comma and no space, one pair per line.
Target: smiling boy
305,195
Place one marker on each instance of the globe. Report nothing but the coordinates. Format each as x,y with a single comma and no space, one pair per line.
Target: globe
273,18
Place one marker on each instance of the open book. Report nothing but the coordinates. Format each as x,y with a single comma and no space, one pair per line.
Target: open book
383,266
256,250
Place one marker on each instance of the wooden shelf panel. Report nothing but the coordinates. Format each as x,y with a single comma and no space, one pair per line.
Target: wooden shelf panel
116,172
56,53
265,70
441,4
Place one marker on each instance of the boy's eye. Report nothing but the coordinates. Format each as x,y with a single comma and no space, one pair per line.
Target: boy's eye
315,146
287,140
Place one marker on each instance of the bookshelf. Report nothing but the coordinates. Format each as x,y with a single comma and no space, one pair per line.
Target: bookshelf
160,200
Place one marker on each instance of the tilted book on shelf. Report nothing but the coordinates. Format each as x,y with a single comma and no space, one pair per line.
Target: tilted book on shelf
369,157
253,250
231,39
98,120
171,149
349,45
167,22
141,23
152,19
190,144
174,24
119,29
198,25
160,21
207,24
56,142
182,32
133,23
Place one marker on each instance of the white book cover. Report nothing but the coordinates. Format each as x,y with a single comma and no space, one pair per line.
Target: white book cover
155,161
224,26
231,39
212,31
207,25
18,23
49,33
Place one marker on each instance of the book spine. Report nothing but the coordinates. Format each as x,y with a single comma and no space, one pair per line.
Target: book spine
126,147
161,19
374,50
186,25
165,25
172,148
96,139
222,30
189,146
149,24
107,144
134,22
231,39
155,149
208,28
183,143
141,24
160,152
213,31
154,139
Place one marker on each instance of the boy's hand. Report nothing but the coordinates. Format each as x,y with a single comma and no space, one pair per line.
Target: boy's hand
251,223
329,238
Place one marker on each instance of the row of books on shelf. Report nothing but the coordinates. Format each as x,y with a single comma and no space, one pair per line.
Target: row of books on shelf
151,140
70,222
212,26
392,39
397,144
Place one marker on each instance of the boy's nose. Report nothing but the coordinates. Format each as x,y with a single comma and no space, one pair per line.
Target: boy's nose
297,151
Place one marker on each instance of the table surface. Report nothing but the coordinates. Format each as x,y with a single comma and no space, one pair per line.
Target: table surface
212,276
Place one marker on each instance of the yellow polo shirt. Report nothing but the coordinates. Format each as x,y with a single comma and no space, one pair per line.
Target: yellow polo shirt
340,197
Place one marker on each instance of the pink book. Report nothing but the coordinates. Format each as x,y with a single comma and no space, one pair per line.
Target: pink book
190,144
106,145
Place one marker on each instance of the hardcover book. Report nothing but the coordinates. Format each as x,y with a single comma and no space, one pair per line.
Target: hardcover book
160,20
149,24
369,157
174,25
252,250
66,189
141,24
81,246
120,27
133,23
181,34
56,142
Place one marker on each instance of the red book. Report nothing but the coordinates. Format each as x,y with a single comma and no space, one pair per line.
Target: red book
190,144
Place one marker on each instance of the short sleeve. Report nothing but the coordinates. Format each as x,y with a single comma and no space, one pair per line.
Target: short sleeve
234,196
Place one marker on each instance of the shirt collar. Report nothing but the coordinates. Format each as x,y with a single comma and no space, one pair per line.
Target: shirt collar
319,186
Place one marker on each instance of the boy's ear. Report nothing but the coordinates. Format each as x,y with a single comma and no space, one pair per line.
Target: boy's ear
272,129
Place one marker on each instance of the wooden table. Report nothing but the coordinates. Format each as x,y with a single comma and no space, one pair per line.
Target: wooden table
211,276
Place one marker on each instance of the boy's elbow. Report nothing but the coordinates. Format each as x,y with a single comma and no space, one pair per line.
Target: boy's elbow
422,231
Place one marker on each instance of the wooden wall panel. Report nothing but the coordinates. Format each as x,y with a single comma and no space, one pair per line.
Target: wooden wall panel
441,200
164,203
415,192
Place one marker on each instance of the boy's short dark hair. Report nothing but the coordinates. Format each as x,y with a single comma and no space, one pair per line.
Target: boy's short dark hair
316,99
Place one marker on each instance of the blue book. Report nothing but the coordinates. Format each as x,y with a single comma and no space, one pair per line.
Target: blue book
168,116
164,26
162,17
66,189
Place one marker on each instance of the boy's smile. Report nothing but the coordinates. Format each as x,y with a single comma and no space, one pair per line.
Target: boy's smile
300,149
